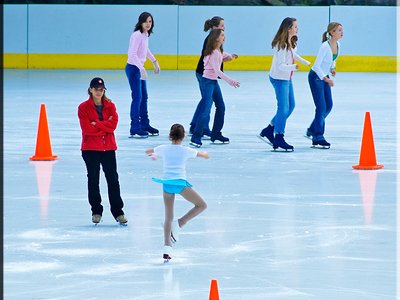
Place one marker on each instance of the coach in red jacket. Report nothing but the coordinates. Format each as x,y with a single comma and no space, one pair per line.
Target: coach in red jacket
98,119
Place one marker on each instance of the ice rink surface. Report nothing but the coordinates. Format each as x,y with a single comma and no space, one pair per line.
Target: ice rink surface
300,225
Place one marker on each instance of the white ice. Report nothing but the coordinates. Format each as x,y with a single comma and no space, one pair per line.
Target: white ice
301,225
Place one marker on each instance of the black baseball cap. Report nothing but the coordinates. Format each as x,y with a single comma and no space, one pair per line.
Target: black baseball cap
97,82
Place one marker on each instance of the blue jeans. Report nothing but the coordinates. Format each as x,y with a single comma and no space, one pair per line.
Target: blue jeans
211,92
285,103
322,95
199,107
139,113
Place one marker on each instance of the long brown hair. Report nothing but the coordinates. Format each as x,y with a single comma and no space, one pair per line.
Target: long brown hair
212,42
332,26
281,37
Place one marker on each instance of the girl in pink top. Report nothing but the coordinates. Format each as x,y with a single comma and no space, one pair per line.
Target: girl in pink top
213,58
215,22
137,53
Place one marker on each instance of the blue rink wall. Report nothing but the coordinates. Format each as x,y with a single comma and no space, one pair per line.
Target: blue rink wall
97,36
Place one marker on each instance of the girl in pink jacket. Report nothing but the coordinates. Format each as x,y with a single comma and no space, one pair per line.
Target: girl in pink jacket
137,53
213,58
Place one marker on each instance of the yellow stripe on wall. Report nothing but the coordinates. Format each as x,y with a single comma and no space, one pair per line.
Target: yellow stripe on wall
15,61
345,63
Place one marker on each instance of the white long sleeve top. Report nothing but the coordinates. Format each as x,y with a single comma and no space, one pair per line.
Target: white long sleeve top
324,62
283,64
139,50
174,159
212,66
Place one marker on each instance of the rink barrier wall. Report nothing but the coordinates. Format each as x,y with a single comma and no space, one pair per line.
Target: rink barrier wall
45,36
345,63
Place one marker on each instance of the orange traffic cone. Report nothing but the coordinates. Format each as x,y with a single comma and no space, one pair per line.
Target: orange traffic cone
214,290
43,146
367,153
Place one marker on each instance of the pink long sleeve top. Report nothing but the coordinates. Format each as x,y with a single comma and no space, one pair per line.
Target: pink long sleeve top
212,66
139,50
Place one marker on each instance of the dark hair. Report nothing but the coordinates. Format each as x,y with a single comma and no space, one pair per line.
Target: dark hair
281,37
212,42
177,132
213,22
142,19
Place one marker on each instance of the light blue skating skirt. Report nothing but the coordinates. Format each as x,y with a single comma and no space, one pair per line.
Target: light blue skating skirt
173,186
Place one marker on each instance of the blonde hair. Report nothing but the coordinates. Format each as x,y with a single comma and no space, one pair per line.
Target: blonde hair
332,26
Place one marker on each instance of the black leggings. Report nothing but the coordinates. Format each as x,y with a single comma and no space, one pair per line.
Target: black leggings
107,160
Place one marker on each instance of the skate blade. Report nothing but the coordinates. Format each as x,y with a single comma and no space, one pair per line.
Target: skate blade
154,134
264,139
123,224
308,137
173,239
194,145
138,137
205,138
166,261
219,143
282,150
320,147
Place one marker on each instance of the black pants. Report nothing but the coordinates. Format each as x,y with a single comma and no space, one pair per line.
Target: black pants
108,162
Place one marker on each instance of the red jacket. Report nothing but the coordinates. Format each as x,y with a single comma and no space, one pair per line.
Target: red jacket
99,137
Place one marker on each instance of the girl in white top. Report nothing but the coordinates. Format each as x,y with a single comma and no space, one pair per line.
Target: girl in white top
280,75
174,182
321,83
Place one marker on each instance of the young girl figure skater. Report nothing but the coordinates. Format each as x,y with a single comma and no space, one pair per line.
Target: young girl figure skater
280,75
215,22
137,53
174,182
98,119
321,83
213,58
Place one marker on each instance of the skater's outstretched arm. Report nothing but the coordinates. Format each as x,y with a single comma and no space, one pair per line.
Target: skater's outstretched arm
149,151
203,154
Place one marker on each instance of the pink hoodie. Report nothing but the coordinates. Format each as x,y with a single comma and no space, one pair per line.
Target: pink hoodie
212,66
139,49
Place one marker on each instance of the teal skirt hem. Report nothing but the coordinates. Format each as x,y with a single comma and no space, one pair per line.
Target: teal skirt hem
173,186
